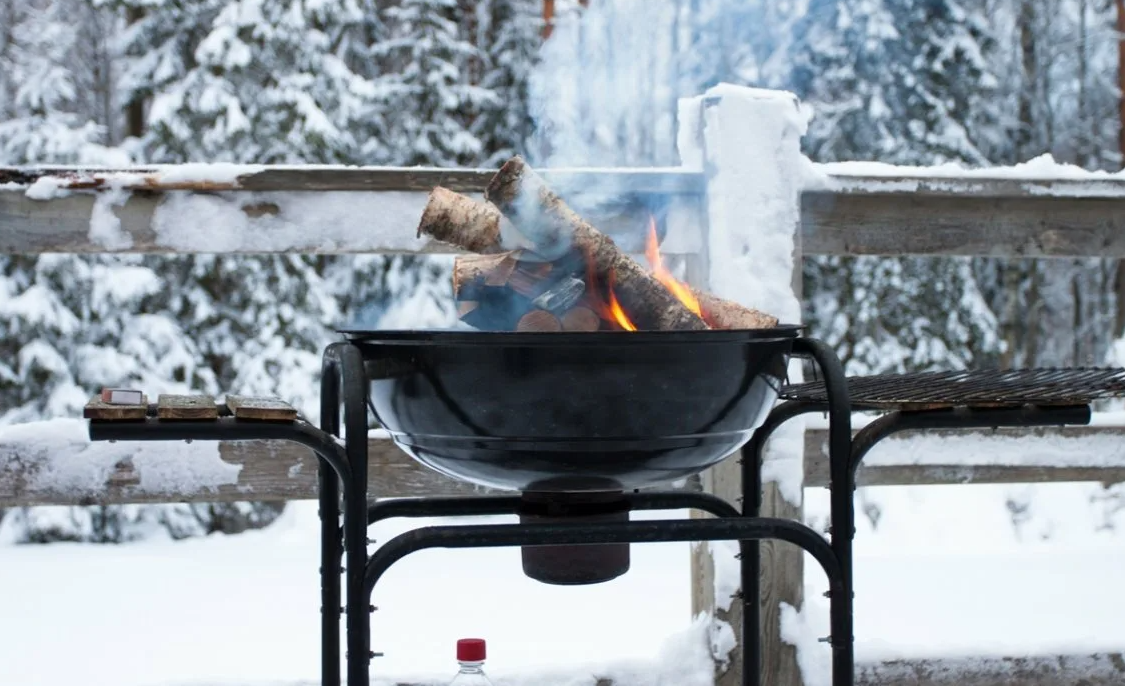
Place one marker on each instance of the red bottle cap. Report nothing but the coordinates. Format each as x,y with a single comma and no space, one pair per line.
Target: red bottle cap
470,650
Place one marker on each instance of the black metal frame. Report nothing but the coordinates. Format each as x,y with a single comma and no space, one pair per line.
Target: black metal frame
342,485
344,371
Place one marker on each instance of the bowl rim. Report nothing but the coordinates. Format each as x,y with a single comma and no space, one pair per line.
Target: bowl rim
781,332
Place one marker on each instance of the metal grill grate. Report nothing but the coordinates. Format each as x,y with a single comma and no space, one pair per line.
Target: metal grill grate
974,388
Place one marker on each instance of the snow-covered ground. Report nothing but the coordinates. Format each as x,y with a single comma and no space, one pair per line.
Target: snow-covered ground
945,574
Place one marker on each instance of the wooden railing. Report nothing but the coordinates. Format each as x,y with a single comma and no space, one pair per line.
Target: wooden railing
842,210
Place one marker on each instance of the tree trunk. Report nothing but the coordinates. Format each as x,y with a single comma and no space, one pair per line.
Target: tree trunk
1025,139
135,110
1121,78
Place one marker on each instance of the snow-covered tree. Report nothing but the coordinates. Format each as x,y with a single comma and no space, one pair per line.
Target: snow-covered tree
41,117
431,100
510,35
898,81
212,324
251,80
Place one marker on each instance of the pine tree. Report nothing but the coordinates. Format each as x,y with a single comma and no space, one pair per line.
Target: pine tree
263,84
42,118
511,38
899,81
896,81
210,324
431,99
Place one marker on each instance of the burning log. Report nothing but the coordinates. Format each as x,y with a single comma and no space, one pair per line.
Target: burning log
724,314
571,277
543,218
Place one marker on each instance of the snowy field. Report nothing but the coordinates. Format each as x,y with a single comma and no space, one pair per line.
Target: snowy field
242,610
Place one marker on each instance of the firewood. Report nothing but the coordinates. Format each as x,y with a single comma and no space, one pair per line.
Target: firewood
539,320
459,220
561,296
482,270
553,228
581,319
724,314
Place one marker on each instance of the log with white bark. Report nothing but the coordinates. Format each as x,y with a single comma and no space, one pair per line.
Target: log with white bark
549,224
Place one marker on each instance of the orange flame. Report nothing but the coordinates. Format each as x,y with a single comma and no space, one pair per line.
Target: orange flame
660,272
616,312
607,307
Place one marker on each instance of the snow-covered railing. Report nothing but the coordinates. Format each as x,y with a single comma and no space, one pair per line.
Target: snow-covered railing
54,463
1037,209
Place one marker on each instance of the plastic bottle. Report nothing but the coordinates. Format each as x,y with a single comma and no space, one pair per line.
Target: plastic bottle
471,654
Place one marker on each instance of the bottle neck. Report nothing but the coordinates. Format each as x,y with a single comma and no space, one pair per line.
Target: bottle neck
471,667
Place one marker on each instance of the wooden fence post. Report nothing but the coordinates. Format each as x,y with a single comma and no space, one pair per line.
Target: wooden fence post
748,143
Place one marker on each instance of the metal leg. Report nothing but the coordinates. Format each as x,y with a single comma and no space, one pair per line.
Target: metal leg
750,563
963,418
358,622
331,545
500,535
842,483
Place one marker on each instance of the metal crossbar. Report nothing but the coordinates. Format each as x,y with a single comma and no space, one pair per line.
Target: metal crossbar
976,388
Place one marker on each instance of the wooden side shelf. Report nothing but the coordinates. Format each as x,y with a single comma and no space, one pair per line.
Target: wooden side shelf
193,408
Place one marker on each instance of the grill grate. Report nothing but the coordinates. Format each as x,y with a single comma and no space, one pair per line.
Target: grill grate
974,388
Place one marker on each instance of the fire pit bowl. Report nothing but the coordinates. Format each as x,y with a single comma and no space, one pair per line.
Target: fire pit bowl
572,412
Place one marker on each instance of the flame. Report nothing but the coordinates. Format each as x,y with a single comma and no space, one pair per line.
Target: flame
607,307
660,272
610,309
615,312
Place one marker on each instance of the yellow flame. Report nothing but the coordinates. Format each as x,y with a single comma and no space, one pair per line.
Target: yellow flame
617,313
660,272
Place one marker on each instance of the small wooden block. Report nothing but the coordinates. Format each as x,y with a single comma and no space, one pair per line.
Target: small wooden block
265,409
186,407
96,409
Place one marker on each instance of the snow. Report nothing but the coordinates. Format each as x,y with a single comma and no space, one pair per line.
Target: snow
975,448
214,172
45,188
918,594
323,221
263,588
57,455
105,226
752,138
1041,175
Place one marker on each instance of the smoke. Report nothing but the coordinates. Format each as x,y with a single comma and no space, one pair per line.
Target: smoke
604,93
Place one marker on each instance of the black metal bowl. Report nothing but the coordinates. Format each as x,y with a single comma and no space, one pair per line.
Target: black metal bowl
561,412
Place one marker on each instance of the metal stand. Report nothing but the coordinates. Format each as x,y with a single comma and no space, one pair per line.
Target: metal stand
342,478
344,371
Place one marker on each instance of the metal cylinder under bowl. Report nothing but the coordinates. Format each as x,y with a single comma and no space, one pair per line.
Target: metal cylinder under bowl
574,565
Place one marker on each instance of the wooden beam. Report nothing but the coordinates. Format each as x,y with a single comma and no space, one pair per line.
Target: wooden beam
951,217
1099,669
279,471
1046,455
278,221
269,471
656,180
845,215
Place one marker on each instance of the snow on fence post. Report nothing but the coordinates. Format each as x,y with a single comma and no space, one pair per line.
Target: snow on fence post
747,141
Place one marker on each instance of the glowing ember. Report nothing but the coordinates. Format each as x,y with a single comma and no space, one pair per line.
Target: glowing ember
661,273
